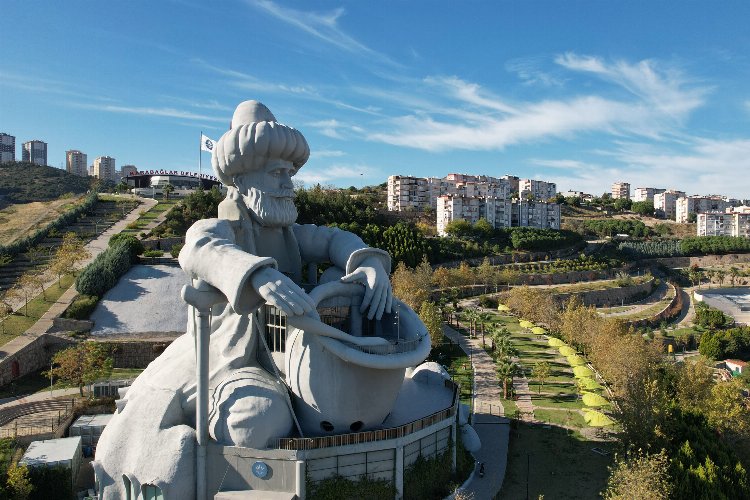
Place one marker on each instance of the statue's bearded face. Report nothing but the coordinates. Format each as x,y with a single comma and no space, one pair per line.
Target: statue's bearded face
269,193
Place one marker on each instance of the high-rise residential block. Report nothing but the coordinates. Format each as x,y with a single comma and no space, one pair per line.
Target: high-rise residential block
35,152
127,170
536,190
76,163
104,168
621,190
733,222
665,203
698,204
646,193
7,148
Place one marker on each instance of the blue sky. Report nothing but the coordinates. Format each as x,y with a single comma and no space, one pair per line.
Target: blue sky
581,93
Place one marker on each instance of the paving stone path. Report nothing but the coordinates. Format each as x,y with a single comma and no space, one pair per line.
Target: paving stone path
487,419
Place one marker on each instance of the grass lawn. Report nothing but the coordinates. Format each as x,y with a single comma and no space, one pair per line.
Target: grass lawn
568,417
567,401
17,323
19,220
595,285
557,464
455,360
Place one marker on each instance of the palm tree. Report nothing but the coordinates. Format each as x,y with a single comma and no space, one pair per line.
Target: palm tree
504,348
720,275
483,319
498,332
506,370
734,273
168,188
471,316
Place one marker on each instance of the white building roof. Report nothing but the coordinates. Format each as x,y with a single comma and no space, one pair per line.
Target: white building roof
52,451
93,420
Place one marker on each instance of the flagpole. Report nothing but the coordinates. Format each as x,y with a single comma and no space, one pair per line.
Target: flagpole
200,156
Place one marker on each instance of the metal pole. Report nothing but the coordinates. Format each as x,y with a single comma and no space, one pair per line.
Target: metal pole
201,296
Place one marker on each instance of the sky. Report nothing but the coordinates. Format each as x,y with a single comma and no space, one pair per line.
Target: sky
581,93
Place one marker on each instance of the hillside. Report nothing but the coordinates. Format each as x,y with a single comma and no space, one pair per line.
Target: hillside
22,182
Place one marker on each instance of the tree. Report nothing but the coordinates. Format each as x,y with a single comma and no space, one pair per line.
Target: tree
506,370
541,371
734,273
643,207
483,318
168,188
5,310
498,333
18,482
726,410
641,476
430,316
24,288
720,275
81,364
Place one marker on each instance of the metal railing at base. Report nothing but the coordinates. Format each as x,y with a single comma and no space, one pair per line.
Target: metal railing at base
370,436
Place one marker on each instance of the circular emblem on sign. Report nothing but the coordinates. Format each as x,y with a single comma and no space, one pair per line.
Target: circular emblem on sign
209,145
260,470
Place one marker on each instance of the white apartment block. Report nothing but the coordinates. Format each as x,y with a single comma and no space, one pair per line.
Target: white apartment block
419,193
104,168
698,204
76,163
665,203
500,213
35,152
538,190
729,223
621,190
538,214
646,194
450,208
7,148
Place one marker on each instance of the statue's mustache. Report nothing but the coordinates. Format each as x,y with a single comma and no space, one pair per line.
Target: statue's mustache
282,193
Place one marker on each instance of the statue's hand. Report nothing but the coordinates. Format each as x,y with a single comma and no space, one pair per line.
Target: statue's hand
378,296
280,291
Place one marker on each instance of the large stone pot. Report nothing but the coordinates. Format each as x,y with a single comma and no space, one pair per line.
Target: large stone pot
347,381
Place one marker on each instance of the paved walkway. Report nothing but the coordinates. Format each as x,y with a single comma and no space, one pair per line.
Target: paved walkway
488,420
37,396
95,247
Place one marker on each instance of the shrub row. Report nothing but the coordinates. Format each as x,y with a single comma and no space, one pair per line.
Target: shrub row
104,272
656,248
63,220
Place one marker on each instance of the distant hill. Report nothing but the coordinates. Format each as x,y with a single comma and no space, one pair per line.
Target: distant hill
22,182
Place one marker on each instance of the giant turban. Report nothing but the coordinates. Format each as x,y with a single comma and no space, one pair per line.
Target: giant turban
255,137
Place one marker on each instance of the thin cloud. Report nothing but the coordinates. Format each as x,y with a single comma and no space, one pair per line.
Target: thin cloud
338,173
324,153
657,102
321,25
150,111
527,69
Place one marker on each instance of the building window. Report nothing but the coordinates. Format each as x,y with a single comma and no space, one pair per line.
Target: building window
151,492
275,321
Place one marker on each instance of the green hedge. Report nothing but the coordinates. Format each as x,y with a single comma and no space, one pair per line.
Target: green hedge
707,245
108,267
82,307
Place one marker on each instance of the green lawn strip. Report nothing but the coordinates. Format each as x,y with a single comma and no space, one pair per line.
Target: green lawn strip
568,417
509,407
570,401
560,465
17,323
458,364
36,382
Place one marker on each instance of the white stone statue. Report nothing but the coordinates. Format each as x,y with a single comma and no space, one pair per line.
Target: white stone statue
253,253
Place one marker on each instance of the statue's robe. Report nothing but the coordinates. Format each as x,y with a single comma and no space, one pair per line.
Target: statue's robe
153,442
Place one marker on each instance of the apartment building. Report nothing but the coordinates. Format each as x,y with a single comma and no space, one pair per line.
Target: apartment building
537,190
76,163
665,203
538,214
450,208
733,222
419,193
646,193
104,168
621,190
500,213
127,170
35,151
698,204
7,148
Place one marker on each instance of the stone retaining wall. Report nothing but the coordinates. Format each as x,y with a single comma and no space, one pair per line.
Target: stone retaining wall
516,257
611,296
136,353
705,261
35,356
